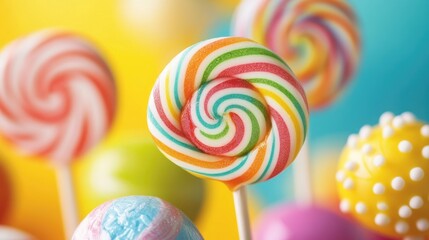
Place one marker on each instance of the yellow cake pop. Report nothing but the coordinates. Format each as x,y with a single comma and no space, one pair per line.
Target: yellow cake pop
383,176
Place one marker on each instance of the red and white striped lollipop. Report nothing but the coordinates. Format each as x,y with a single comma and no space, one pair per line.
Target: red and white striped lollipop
57,100
57,95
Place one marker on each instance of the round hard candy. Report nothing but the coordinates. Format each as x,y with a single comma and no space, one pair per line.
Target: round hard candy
133,165
136,218
383,176
290,222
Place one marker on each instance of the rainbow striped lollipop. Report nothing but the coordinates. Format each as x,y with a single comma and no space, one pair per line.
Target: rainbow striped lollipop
228,109
231,110
318,38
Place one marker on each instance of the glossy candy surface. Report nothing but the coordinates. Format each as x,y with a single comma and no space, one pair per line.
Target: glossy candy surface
136,218
290,222
383,176
133,165
228,109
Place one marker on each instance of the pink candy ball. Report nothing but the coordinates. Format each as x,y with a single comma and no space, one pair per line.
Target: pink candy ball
292,222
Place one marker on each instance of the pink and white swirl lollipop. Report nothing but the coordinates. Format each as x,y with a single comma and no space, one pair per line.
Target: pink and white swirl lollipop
57,97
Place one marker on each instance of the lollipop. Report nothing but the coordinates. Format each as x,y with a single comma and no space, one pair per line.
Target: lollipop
382,176
57,95
228,109
136,218
57,100
318,38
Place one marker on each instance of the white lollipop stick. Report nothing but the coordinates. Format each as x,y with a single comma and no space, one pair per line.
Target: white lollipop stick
302,176
242,214
67,200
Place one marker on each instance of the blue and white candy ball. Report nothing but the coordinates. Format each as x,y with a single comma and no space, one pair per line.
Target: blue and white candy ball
136,218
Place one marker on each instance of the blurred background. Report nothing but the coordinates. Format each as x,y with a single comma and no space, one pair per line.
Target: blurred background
138,38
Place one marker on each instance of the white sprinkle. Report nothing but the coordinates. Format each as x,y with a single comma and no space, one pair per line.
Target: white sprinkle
365,132
378,188
405,211
378,160
424,131
425,152
398,183
388,132
345,206
381,219
416,202
386,118
382,206
366,148
348,184
405,146
398,122
408,117
361,208
352,141
401,227
340,176
417,174
422,224
351,166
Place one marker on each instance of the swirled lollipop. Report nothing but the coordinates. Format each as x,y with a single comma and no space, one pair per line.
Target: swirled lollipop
231,110
228,109
57,95
57,100
318,38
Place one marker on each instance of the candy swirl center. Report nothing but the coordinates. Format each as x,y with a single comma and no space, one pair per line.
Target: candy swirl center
226,117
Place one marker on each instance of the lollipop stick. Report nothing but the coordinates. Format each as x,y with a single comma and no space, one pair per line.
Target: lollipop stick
302,176
67,200
242,214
